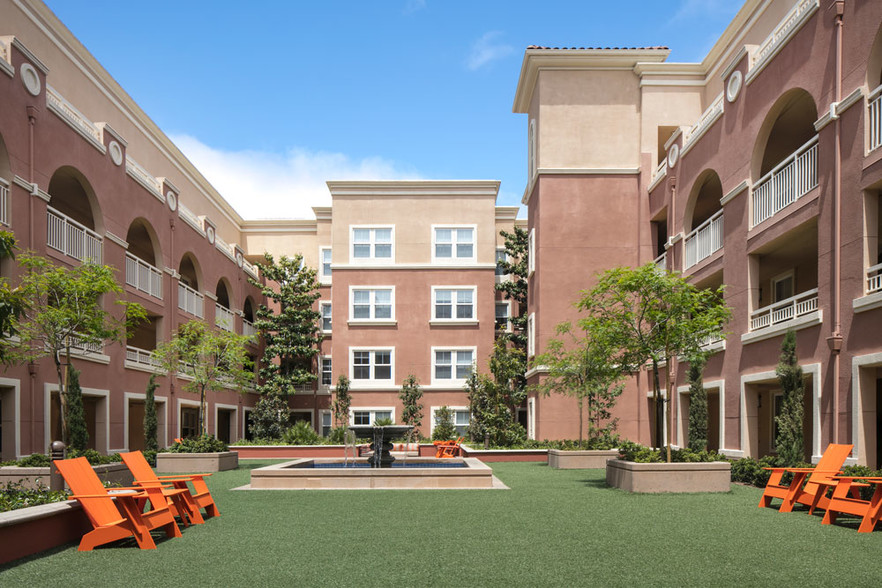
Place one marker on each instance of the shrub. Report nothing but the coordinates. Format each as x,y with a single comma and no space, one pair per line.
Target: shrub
204,444
336,437
150,456
14,496
94,457
444,429
384,422
34,460
638,453
77,433
150,422
269,419
301,433
859,470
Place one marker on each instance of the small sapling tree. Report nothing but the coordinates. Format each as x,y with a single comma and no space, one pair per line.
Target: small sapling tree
151,443
412,413
697,404
444,429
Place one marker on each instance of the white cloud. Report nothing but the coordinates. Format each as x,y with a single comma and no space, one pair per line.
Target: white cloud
486,50
261,184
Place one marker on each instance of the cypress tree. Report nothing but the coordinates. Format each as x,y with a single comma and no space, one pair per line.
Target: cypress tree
410,396
342,402
697,405
150,425
78,434
788,441
269,419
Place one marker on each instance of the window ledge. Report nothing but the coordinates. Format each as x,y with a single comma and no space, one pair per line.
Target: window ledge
131,365
371,384
453,322
868,302
90,356
372,323
803,322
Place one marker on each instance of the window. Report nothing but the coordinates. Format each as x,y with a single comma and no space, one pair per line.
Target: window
371,365
327,377
531,252
372,304
461,418
326,422
325,309
371,243
452,365
189,422
365,416
782,286
501,256
451,304
325,265
502,316
531,334
454,244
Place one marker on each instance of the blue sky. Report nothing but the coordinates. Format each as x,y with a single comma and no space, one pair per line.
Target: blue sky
272,99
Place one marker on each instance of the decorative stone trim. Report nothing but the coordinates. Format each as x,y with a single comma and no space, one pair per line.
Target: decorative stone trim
30,79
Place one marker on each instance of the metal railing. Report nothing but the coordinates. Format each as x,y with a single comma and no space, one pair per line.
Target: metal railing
72,238
141,357
790,180
4,202
789,309
223,317
76,343
874,278
705,240
189,300
143,276
874,119
661,262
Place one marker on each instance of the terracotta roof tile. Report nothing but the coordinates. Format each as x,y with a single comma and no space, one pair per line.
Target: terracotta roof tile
598,48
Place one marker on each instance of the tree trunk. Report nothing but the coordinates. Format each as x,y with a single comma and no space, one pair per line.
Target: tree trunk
580,423
659,407
671,375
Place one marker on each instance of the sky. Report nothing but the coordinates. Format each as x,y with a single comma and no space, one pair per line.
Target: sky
271,99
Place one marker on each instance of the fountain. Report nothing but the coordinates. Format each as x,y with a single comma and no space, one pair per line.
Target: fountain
382,457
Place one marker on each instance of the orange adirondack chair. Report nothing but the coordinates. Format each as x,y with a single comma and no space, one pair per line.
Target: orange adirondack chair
180,501
870,511
809,485
116,516
200,497
448,448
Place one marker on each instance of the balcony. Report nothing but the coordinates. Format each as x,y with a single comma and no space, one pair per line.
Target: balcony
143,276
705,240
190,301
786,310
661,262
223,317
248,328
874,279
4,202
874,119
73,239
141,357
789,181
79,344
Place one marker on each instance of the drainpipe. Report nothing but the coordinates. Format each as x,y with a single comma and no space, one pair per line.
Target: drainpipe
32,122
835,339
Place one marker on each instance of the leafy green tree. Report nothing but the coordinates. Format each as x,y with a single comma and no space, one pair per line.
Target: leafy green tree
342,402
444,429
583,369
493,401
212,359
647,315
410,396
789,441
150,425
697,404
12,303
515,288
290,328
78,434
270,417
63,308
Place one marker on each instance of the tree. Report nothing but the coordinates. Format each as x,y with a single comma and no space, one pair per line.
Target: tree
270,418
63,308
697,404
647,315
342,402
12,303
788,441
582,368
444,429
493,402
291,329
78,434
515,288
150,425
410,396
212,359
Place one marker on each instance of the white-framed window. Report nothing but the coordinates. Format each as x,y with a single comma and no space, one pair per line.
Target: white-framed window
371,303
325,309
453,303
325,265
327,372
783,286
501,256
452,365
371,366
326,422
461,418
372,244
531,334
370,415
453,244
503,311
531,252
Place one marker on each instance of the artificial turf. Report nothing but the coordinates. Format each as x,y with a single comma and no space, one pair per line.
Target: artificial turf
552,528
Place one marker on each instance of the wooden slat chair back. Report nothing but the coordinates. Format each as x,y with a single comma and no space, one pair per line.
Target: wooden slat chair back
445,449
115,517
179,500
199,497
809,485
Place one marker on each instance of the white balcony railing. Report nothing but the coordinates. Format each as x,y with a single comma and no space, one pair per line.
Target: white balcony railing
143,276
790,180
248,328
72,238
223,317
786,310
73,117
4,202
190,217
189,300
792,22
661,262
79,344
705,240
874,278
250,269
707,118
874,119
141,357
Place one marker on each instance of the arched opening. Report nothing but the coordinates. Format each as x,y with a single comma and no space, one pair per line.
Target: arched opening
248,318
223,315
75,224
142,258
190,299
703,219
188,272
874,99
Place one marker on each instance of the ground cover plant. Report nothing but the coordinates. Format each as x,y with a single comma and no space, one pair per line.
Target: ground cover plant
552,528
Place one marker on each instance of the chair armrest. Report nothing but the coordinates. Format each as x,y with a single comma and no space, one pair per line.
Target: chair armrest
183,476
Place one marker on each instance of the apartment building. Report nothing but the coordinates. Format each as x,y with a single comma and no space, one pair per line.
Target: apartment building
758,169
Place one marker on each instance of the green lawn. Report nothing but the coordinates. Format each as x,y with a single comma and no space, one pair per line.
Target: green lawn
552,528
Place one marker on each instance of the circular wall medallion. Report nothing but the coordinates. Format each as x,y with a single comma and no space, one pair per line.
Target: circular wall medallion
240,261
209,234
171,200
733,88
116,154
673,155
31,79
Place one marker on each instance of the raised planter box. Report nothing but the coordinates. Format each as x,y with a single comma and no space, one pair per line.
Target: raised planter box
501,455
192,463
31,530
715,476
588,459
114,473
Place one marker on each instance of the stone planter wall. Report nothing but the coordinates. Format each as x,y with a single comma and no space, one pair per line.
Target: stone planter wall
31,530
114,473
194,463
713,476
580,460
